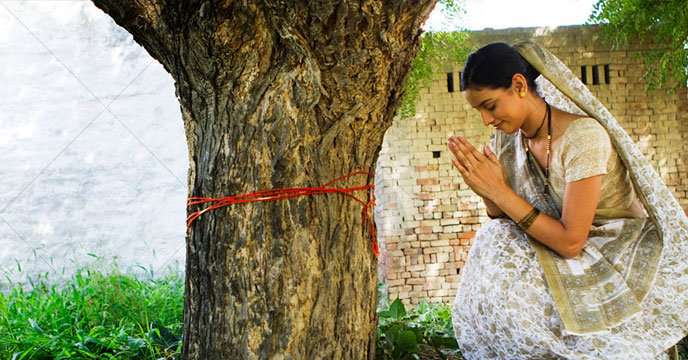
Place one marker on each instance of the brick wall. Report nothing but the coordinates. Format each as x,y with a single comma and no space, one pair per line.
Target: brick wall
427,216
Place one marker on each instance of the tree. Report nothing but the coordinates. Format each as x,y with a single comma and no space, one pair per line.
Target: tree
278,94
651,22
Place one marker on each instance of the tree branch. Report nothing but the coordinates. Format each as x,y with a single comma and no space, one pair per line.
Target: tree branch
151,22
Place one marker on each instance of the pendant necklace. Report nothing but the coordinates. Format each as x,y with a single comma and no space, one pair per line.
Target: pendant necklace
548,115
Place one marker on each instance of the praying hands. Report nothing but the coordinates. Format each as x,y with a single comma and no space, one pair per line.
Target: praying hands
482,172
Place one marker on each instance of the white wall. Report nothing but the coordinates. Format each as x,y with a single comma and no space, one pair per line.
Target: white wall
76,177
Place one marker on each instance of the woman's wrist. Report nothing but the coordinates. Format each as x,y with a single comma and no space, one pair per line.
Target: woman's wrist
504,196
498,194
495,216
491,209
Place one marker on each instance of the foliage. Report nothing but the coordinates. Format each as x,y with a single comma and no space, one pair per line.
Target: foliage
402,334
661,24
437,49
94,316
117,316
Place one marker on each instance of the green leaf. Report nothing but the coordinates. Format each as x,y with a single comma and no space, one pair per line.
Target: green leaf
162,335
383,314
407,341
396,309
423,306
444,341
136,343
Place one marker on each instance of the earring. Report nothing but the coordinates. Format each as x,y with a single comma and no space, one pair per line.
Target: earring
522,94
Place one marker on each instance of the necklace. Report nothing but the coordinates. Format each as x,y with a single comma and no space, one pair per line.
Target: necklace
541,123
548,115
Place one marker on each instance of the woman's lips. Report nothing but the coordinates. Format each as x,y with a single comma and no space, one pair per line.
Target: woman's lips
497,125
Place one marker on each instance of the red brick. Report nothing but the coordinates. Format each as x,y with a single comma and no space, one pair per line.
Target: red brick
425,196
428,181
424,230
467,235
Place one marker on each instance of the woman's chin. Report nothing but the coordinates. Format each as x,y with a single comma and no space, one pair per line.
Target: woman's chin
505,129
509,130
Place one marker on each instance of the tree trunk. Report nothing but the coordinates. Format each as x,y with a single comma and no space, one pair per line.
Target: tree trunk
275,95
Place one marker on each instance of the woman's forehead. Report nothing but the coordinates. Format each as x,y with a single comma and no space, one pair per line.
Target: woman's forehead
476,97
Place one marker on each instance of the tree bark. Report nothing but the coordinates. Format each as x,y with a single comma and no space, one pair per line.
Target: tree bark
278,94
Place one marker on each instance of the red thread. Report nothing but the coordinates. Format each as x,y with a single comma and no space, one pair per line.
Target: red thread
287,193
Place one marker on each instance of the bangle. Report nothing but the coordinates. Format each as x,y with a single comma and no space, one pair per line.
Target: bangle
529,219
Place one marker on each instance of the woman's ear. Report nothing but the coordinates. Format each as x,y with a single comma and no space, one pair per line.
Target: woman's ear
519,84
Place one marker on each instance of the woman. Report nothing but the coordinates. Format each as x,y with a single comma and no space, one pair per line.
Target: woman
582,259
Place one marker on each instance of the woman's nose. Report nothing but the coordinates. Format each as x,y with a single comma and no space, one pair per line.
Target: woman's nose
487,118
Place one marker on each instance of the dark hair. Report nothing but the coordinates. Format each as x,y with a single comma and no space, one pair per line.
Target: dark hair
493,65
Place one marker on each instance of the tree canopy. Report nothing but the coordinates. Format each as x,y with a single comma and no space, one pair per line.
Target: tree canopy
649,21
437,49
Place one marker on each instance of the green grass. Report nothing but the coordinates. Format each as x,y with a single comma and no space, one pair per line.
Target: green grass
93,316
97,315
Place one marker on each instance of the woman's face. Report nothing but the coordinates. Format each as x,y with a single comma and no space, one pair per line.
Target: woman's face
500,107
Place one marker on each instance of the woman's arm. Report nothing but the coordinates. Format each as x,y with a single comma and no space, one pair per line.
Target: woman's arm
492,209
567,236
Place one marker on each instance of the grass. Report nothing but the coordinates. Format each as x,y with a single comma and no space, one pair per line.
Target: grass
98,315
93,316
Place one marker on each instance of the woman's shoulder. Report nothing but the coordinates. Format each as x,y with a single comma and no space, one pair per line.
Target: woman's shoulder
587,149
583,127
585,122
585,135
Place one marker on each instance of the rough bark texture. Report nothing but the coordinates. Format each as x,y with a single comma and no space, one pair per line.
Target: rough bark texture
279,94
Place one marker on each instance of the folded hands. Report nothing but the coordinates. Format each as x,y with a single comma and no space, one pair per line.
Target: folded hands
481,171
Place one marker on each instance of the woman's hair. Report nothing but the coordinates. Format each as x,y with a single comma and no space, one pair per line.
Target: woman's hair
493,65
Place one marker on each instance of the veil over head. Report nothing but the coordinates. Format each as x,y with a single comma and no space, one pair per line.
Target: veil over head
607,284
